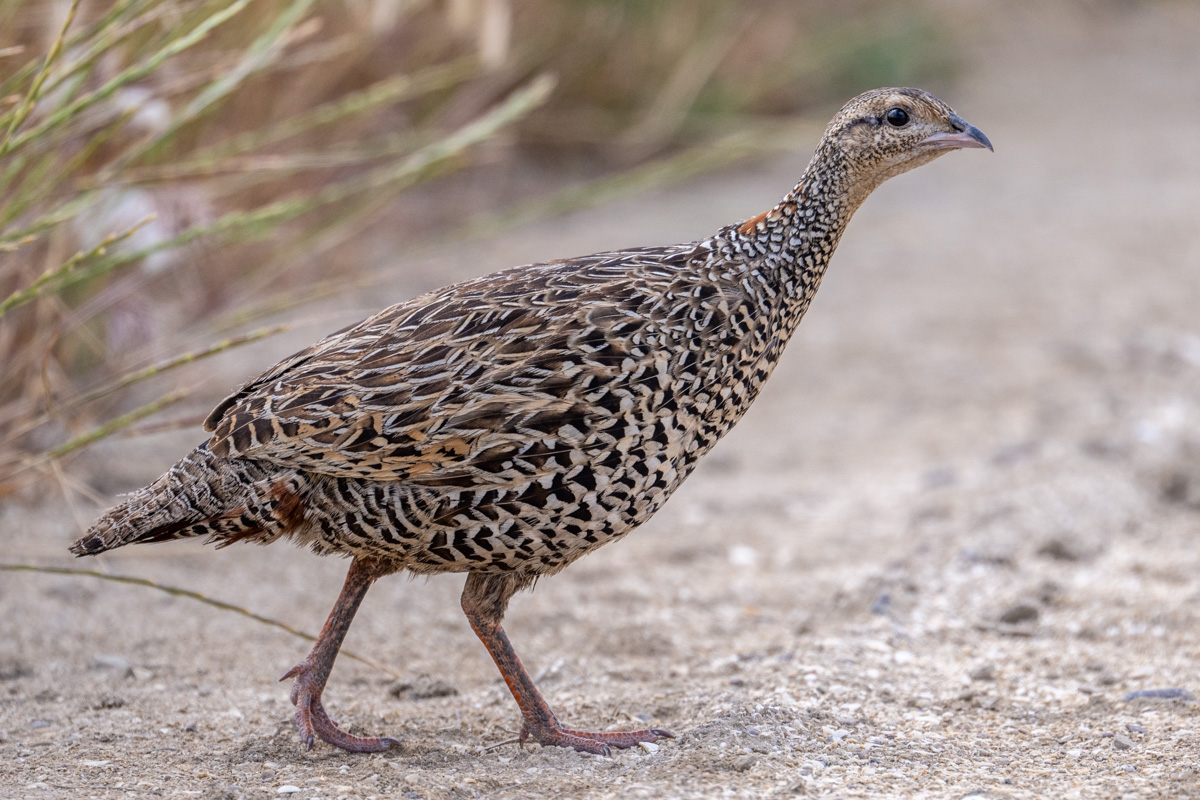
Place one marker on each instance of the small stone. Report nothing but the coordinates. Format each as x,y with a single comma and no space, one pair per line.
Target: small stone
117,664
287,788
106,700
422,687
1160,694
1060,550
649,747
939,477
744,763
984,672
1133,727
11,670
1018,613
1122,743
742,556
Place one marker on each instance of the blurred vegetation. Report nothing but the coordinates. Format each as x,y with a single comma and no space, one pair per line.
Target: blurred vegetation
173,171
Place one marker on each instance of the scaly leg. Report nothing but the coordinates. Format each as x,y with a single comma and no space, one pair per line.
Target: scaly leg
484,600
312,673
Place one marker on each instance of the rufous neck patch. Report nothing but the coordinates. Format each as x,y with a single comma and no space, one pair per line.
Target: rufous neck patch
747,227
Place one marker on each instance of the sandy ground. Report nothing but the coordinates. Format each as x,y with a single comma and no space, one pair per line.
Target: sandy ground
957,531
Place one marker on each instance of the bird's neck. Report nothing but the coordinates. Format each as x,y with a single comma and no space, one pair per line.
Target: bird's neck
791,244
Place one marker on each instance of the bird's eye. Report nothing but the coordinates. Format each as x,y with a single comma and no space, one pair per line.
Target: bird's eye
897,117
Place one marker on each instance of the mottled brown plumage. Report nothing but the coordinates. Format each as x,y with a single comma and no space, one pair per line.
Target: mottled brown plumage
507,425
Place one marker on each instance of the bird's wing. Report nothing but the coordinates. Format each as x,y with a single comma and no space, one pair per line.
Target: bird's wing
451,386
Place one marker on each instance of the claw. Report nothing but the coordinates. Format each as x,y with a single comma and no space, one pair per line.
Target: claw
313,722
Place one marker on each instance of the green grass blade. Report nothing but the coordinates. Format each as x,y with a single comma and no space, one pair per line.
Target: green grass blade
114,425
22,112
57,277
65,212
401,87
138,376
125,77
258,56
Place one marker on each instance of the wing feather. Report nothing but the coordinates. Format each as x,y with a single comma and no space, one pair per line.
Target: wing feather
457,381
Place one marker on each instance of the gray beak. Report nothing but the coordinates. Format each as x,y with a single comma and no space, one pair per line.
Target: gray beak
963,135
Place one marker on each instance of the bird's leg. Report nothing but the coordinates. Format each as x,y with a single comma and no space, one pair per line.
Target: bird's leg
484,600
312,672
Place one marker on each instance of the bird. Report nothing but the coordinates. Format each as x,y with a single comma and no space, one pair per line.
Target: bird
507,425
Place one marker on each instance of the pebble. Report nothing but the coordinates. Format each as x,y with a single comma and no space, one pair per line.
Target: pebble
1020,612
649,747
422,687
1121,743
11,670
115,663
984,672
1060,550
1160,694
106,701
1135,728
744,763
742,556
287,788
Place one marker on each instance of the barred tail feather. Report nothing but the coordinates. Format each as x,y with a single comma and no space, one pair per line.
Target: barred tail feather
202,495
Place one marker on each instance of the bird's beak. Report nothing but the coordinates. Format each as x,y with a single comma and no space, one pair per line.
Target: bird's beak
963,135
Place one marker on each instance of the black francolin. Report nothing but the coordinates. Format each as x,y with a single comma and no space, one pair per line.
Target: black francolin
507,425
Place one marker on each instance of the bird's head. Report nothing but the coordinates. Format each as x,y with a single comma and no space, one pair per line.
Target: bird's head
885,132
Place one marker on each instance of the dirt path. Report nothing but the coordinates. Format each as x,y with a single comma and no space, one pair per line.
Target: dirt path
957,531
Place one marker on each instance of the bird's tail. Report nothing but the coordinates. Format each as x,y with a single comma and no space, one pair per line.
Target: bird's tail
227,500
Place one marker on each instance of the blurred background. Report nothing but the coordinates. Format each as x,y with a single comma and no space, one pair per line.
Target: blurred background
946,550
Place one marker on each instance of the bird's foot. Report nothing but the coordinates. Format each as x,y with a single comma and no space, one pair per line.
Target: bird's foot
598,743
314,723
